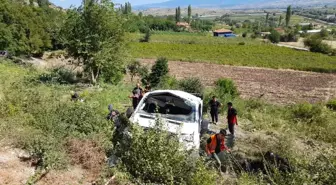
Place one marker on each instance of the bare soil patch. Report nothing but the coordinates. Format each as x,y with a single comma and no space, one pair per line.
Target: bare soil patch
12,170
300,43
88,154
276,86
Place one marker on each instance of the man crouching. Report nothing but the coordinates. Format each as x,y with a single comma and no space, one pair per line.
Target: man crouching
216,145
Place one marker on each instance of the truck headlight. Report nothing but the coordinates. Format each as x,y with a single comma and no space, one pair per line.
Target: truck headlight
188,137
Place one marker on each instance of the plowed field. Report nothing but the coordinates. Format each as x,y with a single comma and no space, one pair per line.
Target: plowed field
277,86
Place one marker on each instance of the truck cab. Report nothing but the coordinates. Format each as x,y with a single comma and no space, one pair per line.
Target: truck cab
180,112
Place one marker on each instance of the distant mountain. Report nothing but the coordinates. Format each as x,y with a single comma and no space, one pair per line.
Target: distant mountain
236,3
197,3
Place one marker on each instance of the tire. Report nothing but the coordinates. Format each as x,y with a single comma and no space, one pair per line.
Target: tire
129,112
204,127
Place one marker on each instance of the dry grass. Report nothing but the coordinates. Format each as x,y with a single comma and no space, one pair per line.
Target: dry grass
87,154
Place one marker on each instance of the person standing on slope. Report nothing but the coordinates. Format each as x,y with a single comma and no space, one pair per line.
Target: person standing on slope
232,118
214,108
136,95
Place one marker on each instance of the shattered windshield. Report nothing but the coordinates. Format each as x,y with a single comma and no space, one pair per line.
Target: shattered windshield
170,107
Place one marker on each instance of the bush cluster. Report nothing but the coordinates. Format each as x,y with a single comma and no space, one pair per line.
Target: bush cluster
316,44
156,156
332,104
60,75
191,85
307,112
159,70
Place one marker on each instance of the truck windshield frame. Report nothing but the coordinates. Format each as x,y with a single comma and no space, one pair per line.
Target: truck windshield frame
169,106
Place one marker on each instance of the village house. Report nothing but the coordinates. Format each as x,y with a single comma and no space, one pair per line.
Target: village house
280,30
223,33
183,24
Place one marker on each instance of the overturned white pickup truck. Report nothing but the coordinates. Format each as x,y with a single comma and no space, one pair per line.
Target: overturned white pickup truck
180,112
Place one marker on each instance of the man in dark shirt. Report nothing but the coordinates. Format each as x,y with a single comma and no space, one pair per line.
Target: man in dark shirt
136,95
232,118
138,88
214,106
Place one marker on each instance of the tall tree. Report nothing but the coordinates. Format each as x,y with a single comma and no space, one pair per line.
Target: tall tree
140,15
179,14
129,8
95,36
43,3
189,14
176,15
125,8
267,17
29,29
280,20
288,15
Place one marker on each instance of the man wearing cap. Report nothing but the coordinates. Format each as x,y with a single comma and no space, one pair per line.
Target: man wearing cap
113,113
232,118
216,145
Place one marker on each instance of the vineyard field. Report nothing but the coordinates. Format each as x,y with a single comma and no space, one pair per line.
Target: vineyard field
192,38
254,55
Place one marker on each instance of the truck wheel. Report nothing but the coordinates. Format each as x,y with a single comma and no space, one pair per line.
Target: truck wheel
204,127
129,112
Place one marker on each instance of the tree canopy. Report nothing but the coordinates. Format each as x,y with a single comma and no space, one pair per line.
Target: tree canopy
95,36
29,29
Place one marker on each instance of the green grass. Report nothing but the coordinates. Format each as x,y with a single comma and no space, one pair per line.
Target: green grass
40,118
254,55
183,38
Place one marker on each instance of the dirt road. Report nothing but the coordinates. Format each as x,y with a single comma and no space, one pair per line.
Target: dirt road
277,86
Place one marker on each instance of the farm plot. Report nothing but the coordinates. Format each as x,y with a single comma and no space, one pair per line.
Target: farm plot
259,55
277,86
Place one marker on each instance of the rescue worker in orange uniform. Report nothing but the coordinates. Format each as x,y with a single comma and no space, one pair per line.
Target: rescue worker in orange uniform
216,145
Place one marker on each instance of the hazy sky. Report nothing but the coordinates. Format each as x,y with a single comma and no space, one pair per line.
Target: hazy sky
68,3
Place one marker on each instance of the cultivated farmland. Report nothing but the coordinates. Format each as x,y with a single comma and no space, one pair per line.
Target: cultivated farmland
277,86
263,55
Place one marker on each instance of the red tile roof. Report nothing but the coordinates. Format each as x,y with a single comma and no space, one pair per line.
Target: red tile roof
223,30
182,24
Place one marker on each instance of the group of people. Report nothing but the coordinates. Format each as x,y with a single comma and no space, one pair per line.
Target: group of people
216,142
231,113
137,94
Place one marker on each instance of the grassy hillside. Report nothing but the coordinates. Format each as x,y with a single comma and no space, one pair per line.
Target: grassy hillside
40,118
226,51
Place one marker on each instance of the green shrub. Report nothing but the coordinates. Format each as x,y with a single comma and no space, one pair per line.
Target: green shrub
306,112
324,33
226,87
191,85
316,44
254,36
143,72
60,75
133,68
159,70
147,36
253,104
244,34
274,37
168,82
155,156
332,104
